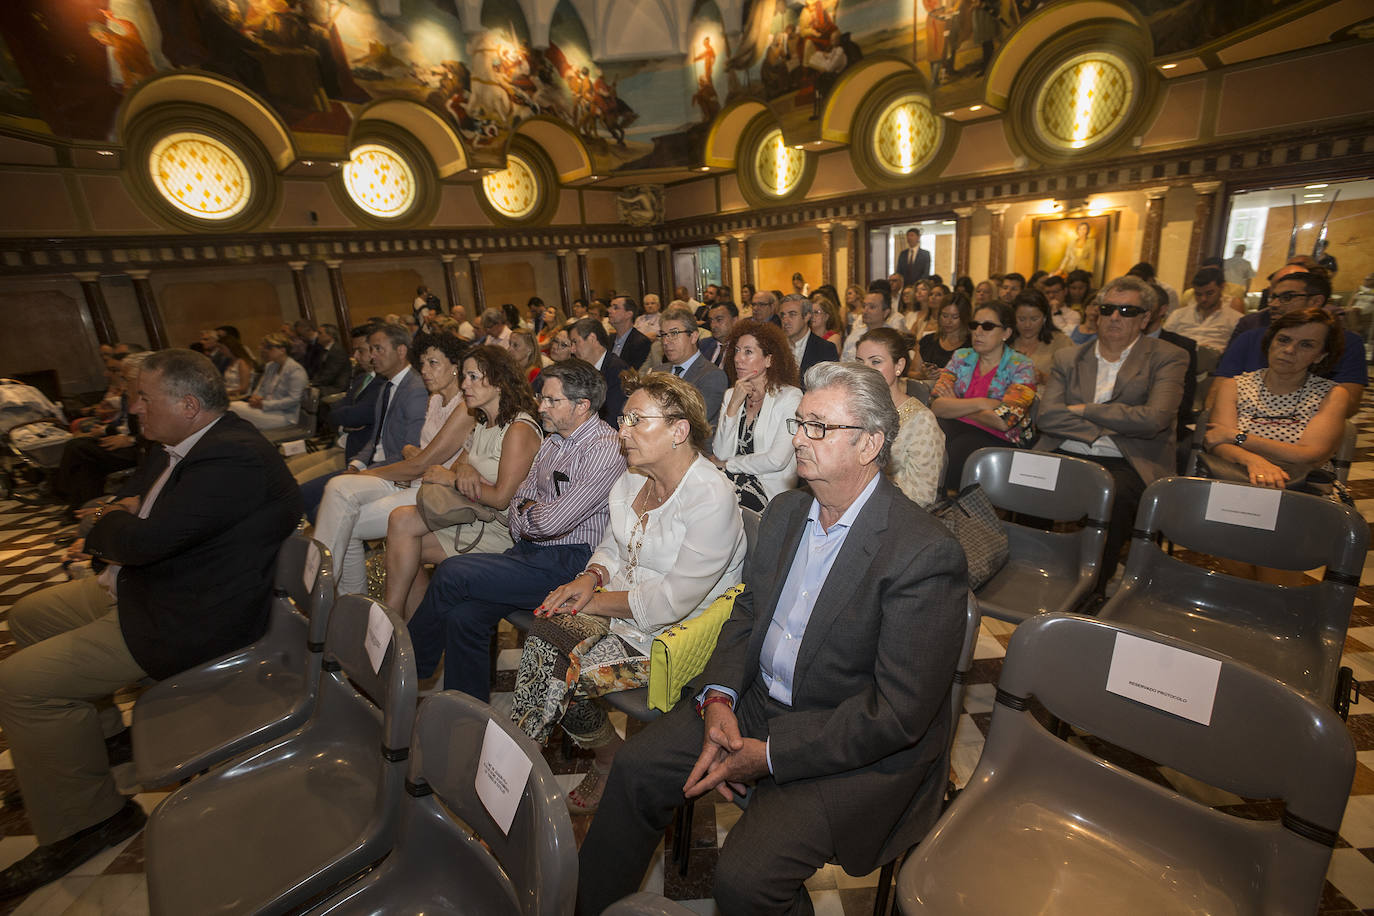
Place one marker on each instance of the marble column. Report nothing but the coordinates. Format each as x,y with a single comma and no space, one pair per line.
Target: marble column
642,269
727,273
1154,224
339,294
95,305
450,291
564,292
851,254
997,245
665,273
479,296
304,305
147,307
584,280
746,269
962,215
1201,242
827,231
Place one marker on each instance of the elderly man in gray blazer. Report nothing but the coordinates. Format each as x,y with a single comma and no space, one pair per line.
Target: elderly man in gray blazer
828,691
678,334
1115,401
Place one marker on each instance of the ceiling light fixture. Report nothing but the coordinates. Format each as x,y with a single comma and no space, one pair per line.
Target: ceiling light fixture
1167,66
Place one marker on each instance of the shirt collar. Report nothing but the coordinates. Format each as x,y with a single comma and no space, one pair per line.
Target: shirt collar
847,519
396,379
1097,351
183,448
687,363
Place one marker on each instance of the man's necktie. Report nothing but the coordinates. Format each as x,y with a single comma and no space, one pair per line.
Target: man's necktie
386,402
677,370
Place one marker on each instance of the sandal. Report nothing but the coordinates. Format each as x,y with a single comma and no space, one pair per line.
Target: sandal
585,798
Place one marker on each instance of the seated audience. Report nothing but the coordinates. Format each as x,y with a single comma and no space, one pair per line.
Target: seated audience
87,460
877,312
1078,291
984,292
751,443
333,370
828,690
807,349
938,348
356,506
550,320
984,395
628,344
524,349
918,452
924,317
825,320
350,415
238,377
765,307
1115,401
191,548
1207,321
592,344
678,337
674,543
648,322
214,349
1037,336
560,346
1011,287
1064,316
276,400
556,515
1281,422
721,319
495,328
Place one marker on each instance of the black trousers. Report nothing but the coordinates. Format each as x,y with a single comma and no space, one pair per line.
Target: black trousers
961,441
85,465
1129,488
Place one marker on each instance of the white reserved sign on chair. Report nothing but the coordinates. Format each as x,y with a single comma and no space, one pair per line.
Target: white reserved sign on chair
1039,471
1178,682
378,636
502,772
1238,504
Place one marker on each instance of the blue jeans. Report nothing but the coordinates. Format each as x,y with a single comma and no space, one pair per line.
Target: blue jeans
469,595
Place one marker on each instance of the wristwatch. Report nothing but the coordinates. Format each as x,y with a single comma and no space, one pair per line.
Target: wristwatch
1240,438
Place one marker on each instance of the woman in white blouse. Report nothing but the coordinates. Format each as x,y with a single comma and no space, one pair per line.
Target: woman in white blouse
276,401
674,543
752,445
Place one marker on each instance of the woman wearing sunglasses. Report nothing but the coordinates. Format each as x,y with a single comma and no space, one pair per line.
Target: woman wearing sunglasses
675,541
984,395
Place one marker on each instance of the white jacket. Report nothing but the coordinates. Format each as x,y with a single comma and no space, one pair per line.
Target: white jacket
773,462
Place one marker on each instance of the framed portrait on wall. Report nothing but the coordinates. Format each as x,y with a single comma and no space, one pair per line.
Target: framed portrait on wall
1068,243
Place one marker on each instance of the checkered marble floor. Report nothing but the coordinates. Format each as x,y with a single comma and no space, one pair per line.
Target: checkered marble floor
114,882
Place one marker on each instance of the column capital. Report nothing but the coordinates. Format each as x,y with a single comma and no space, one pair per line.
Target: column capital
641,249
723,239
1155,193
448,258
964,212
1206,187
137,274
87,276
297,265
473,255
583,252
663,246
333,264
742,237
850,224
826,226
996,209
563,252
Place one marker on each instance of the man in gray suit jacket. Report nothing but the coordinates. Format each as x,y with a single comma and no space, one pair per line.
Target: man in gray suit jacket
828,690
678,334
1115,401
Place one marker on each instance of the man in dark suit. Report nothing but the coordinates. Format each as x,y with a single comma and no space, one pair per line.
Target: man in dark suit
807,348
191,553
592,344
722,318
332,371
1185,407
828,690
312,348
353,414
629,344
678,332
914,261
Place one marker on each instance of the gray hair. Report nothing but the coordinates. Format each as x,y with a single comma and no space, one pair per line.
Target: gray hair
869,402
581,381
1129,284
793,297
772,299
491,318
679,313
186,372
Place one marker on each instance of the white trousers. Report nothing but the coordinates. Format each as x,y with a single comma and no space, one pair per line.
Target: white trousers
354,509
260,418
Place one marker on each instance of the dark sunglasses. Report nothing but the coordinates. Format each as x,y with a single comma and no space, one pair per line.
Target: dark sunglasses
985,325
1127,311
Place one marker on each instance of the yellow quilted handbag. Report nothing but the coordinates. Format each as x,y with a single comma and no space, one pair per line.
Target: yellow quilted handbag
680,653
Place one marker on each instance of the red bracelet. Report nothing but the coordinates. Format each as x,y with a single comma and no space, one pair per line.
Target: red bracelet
600,583
718,698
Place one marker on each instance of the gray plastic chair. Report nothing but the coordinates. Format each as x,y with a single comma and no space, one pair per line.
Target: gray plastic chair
1072,833
1293,634
1345,455
1046,571
450,856
202,717
282,825
646,904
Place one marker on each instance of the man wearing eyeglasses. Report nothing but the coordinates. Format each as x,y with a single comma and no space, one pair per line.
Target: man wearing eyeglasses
807,348
1115,401
557,515
1291,289
678,337
828,690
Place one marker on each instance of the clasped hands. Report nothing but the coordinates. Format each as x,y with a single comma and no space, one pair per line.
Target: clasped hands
570,598
728,761
463,477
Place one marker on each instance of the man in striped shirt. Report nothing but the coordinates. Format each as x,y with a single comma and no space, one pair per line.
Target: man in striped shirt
557,517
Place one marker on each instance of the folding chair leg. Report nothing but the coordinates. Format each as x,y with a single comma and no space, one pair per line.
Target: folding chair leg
682,838
884,888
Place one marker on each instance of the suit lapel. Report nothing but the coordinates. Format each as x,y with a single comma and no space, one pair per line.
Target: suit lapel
1087,372
1131,367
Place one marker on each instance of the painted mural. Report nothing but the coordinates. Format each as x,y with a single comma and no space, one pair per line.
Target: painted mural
69,63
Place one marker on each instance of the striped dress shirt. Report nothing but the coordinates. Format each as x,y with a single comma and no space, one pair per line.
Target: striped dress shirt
569,483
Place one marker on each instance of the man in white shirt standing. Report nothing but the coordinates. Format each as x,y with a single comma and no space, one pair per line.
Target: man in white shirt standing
1208,320
1238,269
1115,401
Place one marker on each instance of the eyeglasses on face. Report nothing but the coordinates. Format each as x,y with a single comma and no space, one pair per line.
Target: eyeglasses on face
546,401
815,429
1128,311
673,333
633,419
1286,298
985,325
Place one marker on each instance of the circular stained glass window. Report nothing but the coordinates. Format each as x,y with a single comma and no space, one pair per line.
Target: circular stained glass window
777,166
907,136
200,175
379,180
513,191
1084,101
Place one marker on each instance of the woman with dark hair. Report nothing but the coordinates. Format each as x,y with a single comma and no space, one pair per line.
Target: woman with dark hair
1036,336
752,445
918,452
1284,421
1078,290
674,542
355,506
239,376
951,333
964,285
502,439
984,395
